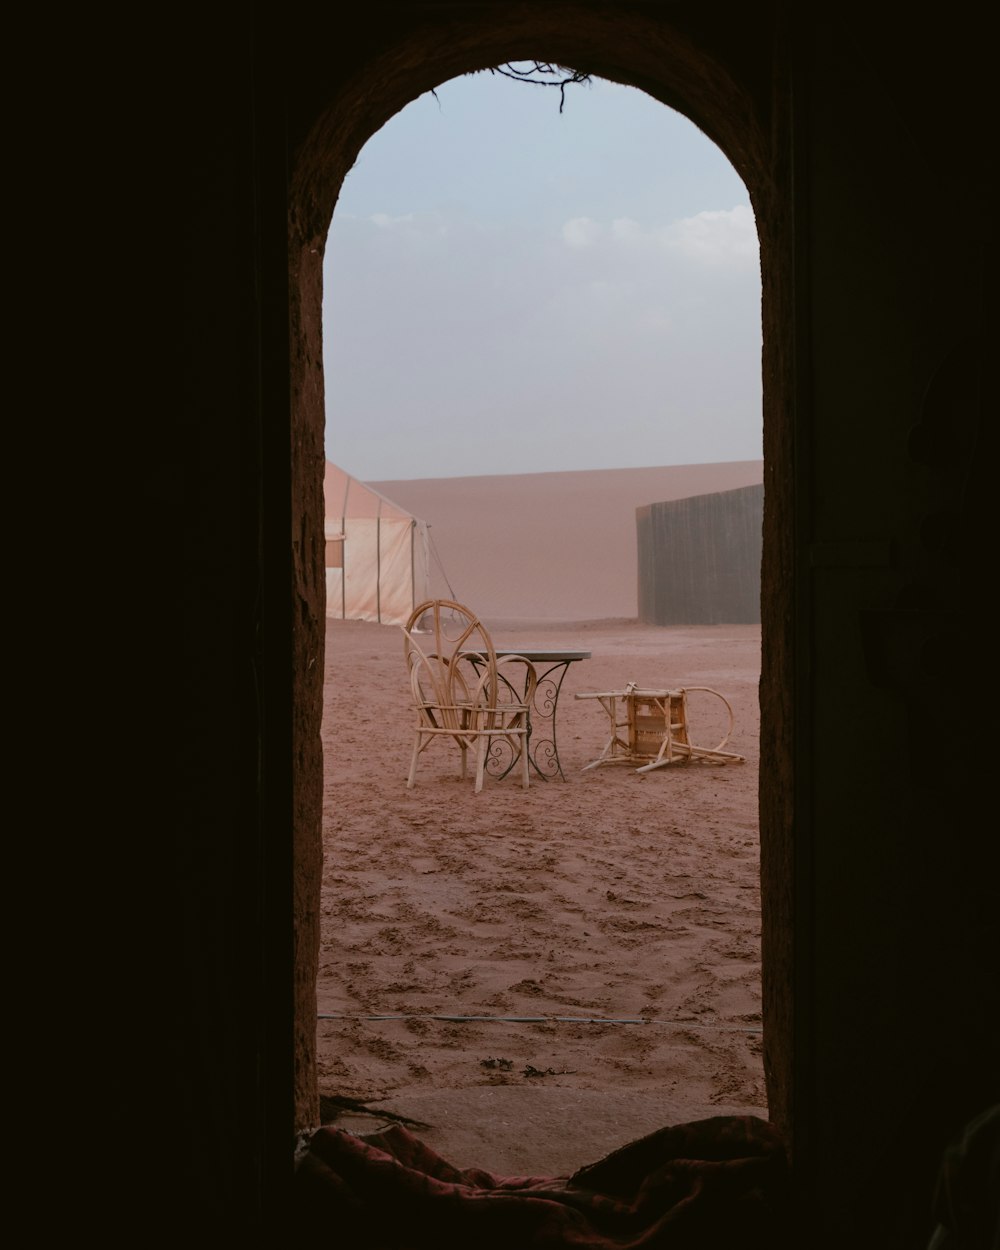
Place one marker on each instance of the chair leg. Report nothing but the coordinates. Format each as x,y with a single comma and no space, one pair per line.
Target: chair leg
480,762
413,762
525,762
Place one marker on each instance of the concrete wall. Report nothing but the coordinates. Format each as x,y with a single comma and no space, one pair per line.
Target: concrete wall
699,559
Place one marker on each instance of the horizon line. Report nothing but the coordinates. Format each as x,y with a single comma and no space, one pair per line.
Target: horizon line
694,464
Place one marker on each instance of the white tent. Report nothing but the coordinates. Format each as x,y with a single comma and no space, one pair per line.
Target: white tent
377,554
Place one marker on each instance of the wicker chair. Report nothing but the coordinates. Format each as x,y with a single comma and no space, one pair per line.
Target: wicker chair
656,725
460,692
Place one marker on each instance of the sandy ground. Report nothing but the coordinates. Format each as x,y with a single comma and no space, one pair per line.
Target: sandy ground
609,895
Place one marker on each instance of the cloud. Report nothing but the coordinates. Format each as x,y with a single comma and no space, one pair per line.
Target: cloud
407,226
625,230
385,220
716,238
581,232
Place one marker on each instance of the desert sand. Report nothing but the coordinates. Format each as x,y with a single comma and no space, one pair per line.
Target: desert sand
609,895
605,896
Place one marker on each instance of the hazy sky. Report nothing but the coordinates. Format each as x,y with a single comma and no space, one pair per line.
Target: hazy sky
512,290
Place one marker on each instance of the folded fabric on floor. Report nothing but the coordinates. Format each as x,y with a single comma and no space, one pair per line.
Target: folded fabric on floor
713,1182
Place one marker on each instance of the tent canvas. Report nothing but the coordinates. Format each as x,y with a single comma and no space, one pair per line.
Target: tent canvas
377,554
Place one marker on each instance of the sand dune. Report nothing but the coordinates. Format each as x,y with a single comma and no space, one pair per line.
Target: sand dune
550,546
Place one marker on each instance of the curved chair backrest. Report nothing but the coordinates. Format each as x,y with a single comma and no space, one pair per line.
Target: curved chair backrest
460,693
441,636
729,712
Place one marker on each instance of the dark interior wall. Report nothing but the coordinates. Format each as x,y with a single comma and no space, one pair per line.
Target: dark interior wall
220,1053
699,558
898,909
869,167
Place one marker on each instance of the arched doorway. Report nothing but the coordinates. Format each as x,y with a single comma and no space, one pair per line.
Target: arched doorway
668,65
476,323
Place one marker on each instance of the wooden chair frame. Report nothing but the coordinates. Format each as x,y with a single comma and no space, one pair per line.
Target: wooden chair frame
459,690
656,728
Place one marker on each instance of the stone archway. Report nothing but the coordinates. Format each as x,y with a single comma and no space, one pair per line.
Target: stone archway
751,127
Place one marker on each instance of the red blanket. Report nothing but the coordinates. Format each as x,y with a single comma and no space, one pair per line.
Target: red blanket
717,1182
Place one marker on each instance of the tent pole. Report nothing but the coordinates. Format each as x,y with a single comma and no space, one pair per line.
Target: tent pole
378,566
343,565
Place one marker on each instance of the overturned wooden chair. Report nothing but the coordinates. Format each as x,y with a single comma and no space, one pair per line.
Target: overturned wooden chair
650,728
460,692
